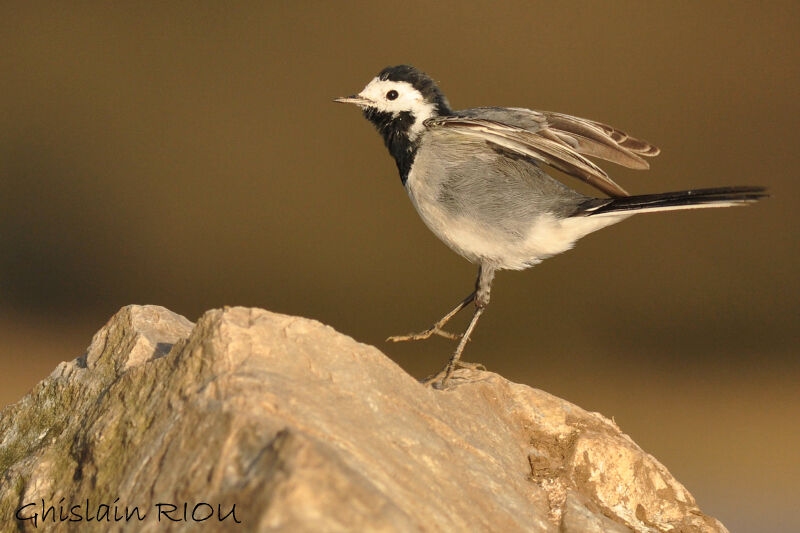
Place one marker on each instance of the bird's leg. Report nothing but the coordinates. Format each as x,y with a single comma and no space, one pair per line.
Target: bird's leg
483,287
436,329
440,379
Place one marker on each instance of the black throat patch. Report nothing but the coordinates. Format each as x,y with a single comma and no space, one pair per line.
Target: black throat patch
395,132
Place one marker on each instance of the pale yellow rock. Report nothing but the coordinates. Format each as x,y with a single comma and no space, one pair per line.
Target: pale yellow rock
305,429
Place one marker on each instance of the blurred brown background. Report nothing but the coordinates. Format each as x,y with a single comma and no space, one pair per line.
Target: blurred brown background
190,156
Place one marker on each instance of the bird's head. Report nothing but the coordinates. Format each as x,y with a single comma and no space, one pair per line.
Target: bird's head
398,100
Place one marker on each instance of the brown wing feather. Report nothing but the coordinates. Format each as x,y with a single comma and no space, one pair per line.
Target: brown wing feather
602,149
603,135
534,145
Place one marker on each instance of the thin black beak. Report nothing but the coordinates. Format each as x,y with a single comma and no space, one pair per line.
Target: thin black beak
354,99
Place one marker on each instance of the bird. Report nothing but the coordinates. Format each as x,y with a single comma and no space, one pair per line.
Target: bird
478,179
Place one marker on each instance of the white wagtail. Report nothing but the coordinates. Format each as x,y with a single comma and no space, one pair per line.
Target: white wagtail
475,177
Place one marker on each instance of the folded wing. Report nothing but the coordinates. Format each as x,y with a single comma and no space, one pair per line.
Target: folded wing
584,136
543,145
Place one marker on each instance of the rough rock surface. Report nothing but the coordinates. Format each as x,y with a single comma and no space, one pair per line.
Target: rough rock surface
305,429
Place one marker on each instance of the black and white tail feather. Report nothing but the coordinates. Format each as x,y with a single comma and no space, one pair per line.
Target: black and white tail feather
671,201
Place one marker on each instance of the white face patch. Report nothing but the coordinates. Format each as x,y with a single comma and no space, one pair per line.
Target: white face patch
408,99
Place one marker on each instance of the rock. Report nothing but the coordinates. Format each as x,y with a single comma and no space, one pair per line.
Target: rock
283,424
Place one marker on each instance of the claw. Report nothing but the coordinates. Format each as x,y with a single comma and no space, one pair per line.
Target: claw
471,366
434,379
439,380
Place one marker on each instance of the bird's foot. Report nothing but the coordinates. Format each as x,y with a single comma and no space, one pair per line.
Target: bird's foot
471,366
435,330
440,379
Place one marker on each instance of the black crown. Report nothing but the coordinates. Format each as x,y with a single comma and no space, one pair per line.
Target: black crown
421,82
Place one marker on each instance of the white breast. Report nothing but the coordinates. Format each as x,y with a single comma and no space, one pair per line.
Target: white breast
545,237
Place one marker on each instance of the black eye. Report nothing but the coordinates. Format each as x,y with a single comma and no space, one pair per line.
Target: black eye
391,95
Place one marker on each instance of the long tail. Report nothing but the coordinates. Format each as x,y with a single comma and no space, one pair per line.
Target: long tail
667,201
